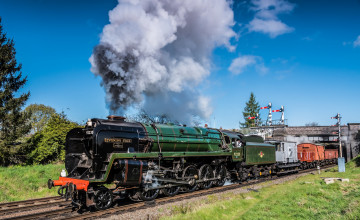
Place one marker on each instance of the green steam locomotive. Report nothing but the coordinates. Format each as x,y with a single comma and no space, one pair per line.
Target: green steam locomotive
142,161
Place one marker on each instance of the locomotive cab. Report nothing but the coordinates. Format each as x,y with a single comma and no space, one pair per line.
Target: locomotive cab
235,143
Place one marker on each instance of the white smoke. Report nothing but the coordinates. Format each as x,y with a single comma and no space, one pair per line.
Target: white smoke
228,182
156,52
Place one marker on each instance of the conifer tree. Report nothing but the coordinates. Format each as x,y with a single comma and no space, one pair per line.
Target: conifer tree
13,121
251,109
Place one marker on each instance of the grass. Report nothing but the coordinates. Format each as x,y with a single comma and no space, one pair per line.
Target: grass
307,197
27,182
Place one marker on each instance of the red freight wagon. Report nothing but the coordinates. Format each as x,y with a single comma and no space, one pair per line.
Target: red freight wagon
310,154
331,154
320,152
306,152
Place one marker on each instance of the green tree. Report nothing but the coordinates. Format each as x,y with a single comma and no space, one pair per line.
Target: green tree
13,121
39,116
48,144
251,109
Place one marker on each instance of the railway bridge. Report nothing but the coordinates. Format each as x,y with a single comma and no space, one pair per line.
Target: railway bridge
325,135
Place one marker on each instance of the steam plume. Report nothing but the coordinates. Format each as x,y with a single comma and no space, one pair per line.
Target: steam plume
156,52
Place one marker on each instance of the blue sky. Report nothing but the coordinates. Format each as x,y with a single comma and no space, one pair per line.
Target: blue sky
309,62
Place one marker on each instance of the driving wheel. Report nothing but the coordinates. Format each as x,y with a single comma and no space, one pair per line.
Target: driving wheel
103,198
190,174
206,173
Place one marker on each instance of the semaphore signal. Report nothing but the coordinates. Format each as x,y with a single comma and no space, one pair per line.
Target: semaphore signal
269,118
341,160
282,119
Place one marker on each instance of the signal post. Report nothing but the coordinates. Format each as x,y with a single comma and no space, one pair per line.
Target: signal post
341,159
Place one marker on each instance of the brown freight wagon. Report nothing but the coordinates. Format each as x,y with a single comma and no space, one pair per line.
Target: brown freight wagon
320,153
331,156
311,155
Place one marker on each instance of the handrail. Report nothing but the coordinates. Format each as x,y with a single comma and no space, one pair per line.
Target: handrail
157,135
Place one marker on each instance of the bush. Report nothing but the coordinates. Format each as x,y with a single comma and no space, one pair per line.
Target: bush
48,145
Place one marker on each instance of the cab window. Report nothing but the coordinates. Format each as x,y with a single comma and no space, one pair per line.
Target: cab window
227,139
236,142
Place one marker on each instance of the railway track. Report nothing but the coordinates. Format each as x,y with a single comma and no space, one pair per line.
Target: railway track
67,212
11,208
163,200
28,202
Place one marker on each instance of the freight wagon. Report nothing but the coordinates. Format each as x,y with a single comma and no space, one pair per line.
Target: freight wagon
286,157
312,155
331,156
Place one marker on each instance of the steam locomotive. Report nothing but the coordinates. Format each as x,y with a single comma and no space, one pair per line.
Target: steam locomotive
144,160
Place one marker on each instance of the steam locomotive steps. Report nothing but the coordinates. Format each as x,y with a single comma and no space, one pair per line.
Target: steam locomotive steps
163,200
21,206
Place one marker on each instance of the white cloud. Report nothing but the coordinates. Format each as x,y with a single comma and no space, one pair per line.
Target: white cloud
272,27
240,64
266,17
357,42
269,9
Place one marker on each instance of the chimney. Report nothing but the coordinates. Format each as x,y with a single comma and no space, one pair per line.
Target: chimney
116,118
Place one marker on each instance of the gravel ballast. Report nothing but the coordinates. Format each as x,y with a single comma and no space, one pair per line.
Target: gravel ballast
158,211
